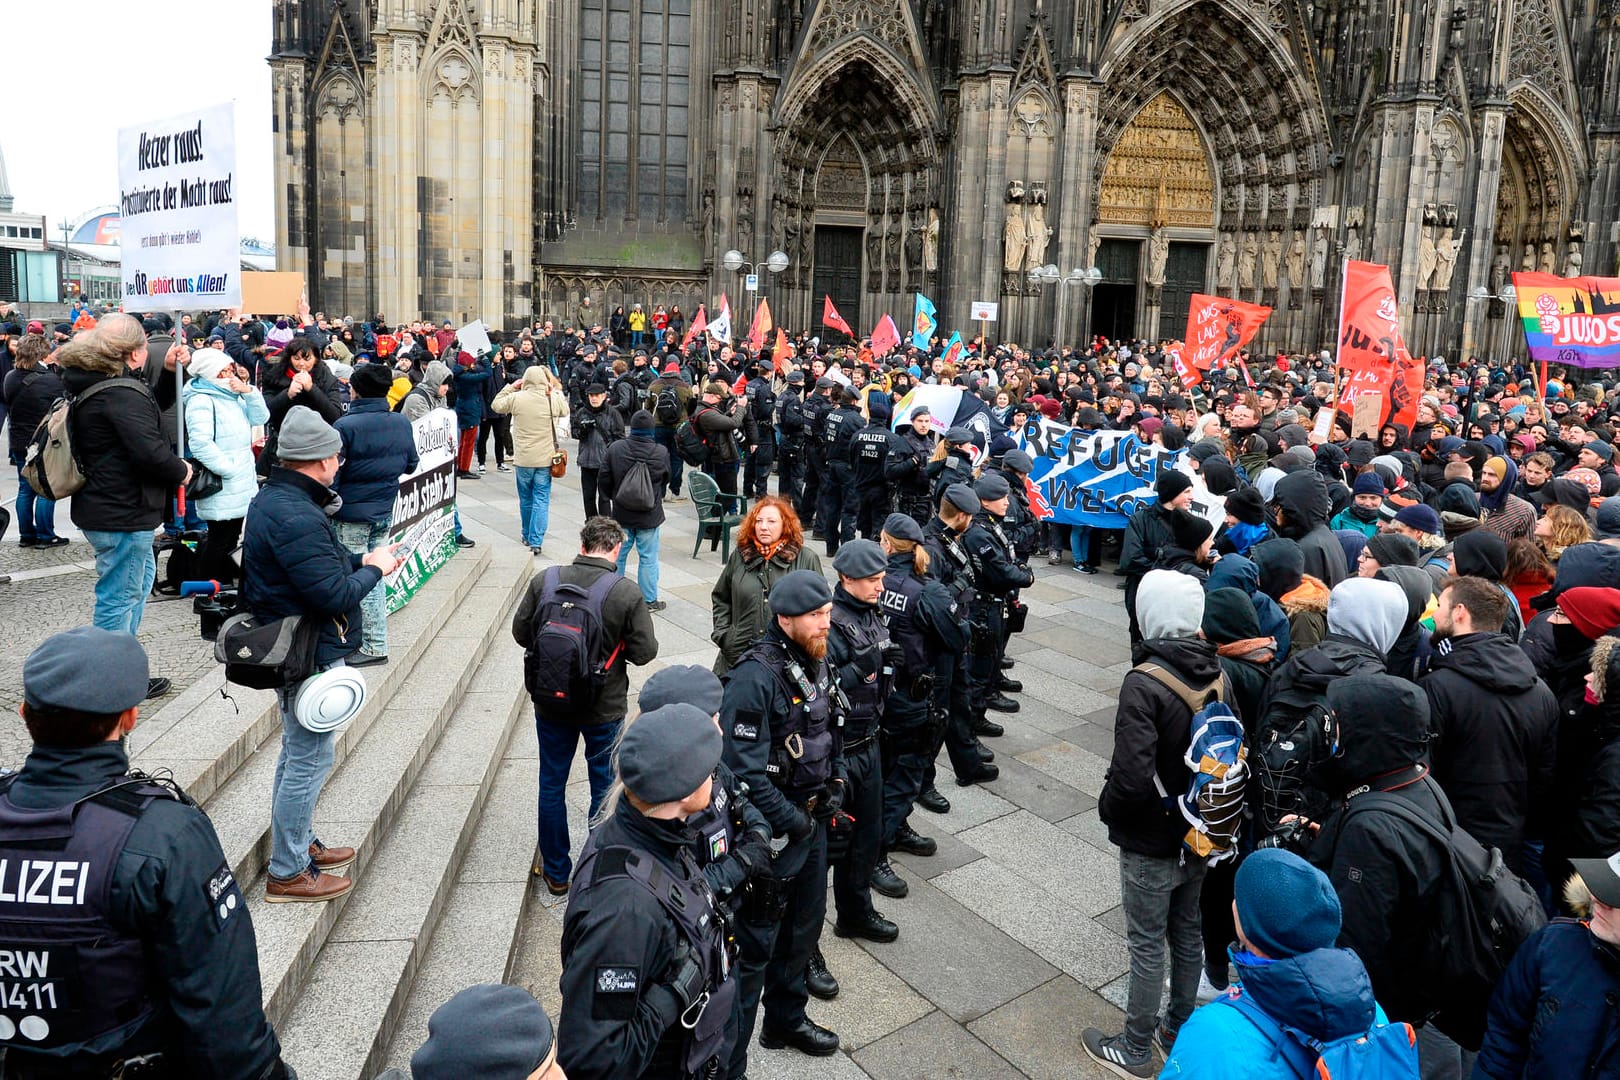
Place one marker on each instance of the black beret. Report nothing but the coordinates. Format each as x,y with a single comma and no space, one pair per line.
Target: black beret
1017,461
800,593
992,485
962,497
903,527
682,684
86,669
860,559
664,755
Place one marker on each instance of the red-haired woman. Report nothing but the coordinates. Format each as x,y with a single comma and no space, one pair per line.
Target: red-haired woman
770,544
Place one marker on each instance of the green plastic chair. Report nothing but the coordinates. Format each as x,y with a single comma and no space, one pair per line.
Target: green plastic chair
712,509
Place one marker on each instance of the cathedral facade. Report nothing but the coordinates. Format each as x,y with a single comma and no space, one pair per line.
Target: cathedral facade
529,159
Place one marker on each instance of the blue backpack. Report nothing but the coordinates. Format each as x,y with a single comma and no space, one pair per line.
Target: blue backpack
1217,761
1382,1052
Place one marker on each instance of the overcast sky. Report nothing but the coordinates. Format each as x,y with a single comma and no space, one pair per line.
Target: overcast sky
97,66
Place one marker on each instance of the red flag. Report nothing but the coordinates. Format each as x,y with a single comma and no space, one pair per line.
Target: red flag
1216,329
740,385
779,352
885,336
761,327
699,323
1037,499
830,317
1371,347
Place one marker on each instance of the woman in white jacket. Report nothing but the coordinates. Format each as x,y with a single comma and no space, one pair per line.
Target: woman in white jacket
221,410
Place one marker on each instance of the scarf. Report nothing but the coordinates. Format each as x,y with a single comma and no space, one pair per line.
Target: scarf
1260,650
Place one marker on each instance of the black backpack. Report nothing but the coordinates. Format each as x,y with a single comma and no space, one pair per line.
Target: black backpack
635,491
1481,914
690,443
667,408
561,668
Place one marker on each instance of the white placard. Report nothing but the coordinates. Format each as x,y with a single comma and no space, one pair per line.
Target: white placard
751,283
474,337
180,246
983,311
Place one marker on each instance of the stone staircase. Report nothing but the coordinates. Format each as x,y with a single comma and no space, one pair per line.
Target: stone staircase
443,824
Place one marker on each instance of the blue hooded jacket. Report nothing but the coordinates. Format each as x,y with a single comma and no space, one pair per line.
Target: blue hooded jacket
1238,572
1325,994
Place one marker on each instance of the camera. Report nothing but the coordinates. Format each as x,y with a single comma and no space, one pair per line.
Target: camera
1294,835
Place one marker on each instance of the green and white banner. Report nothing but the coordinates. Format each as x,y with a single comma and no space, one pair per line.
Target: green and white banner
424,510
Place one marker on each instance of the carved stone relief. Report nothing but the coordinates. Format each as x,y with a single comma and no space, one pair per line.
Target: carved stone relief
1158,172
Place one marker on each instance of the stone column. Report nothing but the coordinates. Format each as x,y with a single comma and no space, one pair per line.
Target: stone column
965,250
1076,195
1482,229
395,168
290,173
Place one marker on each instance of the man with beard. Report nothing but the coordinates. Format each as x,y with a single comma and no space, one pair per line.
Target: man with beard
782,740
1251,454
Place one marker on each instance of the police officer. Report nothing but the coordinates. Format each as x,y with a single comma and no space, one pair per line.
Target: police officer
862,659
761,399
138,958
907,467
816,410
956,467
869,456
926,628
951,564
647,983
790,424
838,435
782,740
999,576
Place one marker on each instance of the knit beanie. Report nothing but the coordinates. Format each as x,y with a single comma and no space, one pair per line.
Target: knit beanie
1594,611
1247,506
1393,549
1285,905
1189,530
1171,605
1369,483
1170,483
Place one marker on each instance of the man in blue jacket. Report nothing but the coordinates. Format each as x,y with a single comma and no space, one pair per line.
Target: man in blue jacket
378,448
293,564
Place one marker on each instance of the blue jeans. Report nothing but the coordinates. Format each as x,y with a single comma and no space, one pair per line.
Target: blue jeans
301,770
36,517
1083,544
665,437
557,743
645,542
360,537
126,567
534,503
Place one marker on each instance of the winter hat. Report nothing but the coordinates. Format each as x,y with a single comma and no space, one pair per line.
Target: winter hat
665,754
304,436
1497,467
1459,498
1480,553
1607,519
1229,616
1593,611
1393,549
1588,479
1171,605
1171,483
878,407
1370,483
681,684
1603,450
207,363
1285,905
1421,517
1189,530
1247,506
1150,426
487,1030
371,381
642,421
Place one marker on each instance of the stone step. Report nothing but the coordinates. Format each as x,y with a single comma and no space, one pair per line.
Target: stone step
406,901
365,795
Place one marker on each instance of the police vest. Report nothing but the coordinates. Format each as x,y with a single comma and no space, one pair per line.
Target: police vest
867,638
68,976
714,826
690,904
763,400
901,598
959,570
872,444
800,761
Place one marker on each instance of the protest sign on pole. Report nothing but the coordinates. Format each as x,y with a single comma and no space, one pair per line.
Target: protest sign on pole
1371,349
271,292
1571,321
424,510
180,247
474,338
1217,328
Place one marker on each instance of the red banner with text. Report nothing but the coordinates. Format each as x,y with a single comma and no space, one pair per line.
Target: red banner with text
1217,328
1371,349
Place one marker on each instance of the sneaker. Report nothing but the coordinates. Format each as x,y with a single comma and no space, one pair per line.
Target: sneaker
310,887
1163,1041
1084,568
503,468
30,542
466,542
535,550
365,659
1115,1055
1207,990
1054,559
482,467
156,688
53,542
657,605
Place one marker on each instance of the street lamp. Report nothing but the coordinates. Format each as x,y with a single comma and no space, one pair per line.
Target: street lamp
67,274
1508,297
1051,275
733,260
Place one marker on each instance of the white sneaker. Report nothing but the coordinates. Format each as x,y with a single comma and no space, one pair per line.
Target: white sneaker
1207,991
480,466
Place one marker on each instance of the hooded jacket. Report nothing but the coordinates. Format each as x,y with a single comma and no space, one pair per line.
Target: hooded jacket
1325,994
533,406
1237,572
219,433
424,396
1303,498
1495,739
1545,1020
130,466
621,457
1586,823
1409,656
1247,654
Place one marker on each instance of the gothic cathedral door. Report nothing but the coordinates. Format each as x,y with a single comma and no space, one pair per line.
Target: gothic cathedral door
1113,301
838,275
1183,276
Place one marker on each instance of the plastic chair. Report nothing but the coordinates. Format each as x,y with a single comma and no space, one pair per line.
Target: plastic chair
712,507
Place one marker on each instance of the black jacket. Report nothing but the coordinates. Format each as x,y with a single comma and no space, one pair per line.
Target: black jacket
1303,496
130,466
1494,741
1152,728
620,457
596,430
276,382
624,618
204,974
28,396
719,431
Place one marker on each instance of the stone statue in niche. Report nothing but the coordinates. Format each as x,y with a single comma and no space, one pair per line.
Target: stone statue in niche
874,256
1528,263
1548,258
1319,256
1158,256
931,241
1573,260
708,223
1248,253
1352,242
1092,243
1037,232
914,244
1225,253
1501,269
745,221
891,251
1446,250
1270,265
1426,258
1014,239
1296,260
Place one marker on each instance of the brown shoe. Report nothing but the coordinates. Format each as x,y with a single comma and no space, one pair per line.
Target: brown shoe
309,887
330,858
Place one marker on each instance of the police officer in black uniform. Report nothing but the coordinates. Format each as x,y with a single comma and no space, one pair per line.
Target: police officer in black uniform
953,566
926,628
837,494
816,409
869,458
648,985
134,951
907,467
790,424
762,404
782,737
862,659
999,576
956,467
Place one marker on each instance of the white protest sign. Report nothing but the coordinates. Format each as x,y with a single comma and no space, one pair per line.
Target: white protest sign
180,246
474,337
983,311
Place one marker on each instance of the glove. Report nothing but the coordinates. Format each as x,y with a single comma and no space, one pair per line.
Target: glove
868,662
831,801
801,828
753,854
686,977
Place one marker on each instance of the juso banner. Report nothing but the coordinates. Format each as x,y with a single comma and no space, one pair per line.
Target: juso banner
179,245
1573,321
1216,329
1097,478
1371,347
424,510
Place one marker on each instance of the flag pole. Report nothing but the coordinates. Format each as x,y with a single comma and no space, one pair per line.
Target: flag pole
1338,337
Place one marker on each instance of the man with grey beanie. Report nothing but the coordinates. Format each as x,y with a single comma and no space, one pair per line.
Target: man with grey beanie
647,983
294,564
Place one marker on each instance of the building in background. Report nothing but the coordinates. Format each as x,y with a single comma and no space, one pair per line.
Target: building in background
29,272
456,158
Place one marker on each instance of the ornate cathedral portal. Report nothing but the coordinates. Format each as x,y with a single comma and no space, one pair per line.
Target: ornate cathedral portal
530,159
